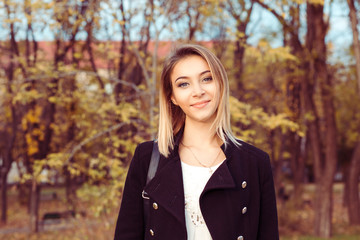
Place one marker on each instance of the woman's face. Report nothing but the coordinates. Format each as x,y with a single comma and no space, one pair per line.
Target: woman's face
194,90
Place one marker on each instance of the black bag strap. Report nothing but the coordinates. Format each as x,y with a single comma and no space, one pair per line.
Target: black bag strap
154,162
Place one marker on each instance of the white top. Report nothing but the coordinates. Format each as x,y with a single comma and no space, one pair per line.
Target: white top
195,179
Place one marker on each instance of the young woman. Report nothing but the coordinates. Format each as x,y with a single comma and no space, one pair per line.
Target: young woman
208,184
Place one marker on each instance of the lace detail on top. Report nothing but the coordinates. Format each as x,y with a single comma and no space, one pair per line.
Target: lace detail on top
195,179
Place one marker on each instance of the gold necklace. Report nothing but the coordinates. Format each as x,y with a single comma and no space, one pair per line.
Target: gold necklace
203,165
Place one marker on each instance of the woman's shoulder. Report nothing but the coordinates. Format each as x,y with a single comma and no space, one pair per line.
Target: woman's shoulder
144,149
145,145
251,149
257,157
141,158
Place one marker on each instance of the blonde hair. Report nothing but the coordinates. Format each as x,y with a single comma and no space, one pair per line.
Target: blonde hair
172,118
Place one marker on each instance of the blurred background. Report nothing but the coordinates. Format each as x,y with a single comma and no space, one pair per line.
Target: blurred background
79,90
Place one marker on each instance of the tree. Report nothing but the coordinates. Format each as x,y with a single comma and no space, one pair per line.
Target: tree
294,72
39,132
315,83
241,13
323,142
354,172
11,125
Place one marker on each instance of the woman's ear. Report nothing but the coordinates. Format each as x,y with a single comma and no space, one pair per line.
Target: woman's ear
173,100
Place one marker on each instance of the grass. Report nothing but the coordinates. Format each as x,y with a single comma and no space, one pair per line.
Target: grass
90,227
294,223
338,237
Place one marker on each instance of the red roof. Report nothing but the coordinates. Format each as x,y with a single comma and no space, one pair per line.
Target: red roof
102,51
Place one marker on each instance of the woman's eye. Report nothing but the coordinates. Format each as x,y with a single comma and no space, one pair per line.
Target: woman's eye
182,85
207,79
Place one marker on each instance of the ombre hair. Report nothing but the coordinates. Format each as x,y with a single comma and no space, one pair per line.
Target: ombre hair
172,118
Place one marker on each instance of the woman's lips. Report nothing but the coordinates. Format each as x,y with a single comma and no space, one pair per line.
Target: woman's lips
200,104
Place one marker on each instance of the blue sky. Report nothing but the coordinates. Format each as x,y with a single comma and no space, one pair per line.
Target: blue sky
262,25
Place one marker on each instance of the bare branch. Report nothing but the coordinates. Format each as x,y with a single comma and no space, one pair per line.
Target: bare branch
73,73
282,20
86,141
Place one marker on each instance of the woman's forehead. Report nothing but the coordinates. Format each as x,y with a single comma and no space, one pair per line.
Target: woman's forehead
192,65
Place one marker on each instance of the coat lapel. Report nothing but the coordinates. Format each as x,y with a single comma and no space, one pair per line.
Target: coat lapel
221,178
166,188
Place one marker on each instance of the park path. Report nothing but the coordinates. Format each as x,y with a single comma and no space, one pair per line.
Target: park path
50,225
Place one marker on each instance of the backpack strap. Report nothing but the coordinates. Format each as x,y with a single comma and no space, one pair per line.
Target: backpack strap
154,162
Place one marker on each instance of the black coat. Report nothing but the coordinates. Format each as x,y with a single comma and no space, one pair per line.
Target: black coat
238,201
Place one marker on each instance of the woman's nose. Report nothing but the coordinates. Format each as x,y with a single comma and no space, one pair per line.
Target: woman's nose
198,91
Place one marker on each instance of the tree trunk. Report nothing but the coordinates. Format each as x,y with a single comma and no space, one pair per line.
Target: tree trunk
240,44
356,43
239,54
121,70
297,164
34,206
323,141
70,191
89,42
354,173
10,140
346,186
299,92
193,23
277,156
153,91
323,209
3,195
69,183
298,144
23,195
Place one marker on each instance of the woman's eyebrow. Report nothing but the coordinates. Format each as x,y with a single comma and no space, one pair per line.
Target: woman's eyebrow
181,77
202,73
185,77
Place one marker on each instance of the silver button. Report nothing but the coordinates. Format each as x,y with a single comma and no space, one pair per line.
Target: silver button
244,210
152,233
240,238
155,206
244,184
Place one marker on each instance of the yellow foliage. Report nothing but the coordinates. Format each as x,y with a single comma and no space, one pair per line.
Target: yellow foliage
142,87
56,160
247,115
32,144
281,54
127,112
78,55
24,124
299,1
271,55
309,116
32,148
14,20
24,96
38,133
315,2
74,170
26,177
52,99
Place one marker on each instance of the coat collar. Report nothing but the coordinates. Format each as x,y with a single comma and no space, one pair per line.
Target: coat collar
166,188
227,148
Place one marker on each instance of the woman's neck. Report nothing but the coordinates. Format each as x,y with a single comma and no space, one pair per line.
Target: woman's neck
198,134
